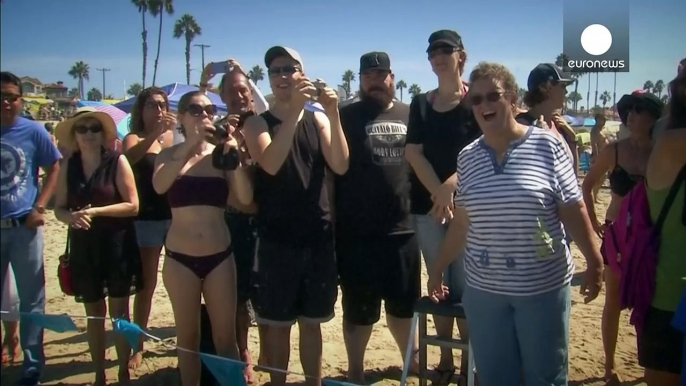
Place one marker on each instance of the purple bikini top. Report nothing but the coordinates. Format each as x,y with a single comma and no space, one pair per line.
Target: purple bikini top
196,191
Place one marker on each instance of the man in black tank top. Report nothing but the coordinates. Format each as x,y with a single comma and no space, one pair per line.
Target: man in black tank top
376,249
295,269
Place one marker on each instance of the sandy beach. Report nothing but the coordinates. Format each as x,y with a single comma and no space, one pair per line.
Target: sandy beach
68,361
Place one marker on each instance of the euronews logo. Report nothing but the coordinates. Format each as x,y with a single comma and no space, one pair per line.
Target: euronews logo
596,39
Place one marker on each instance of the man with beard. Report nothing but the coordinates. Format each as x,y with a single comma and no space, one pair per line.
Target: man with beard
236,91
378,255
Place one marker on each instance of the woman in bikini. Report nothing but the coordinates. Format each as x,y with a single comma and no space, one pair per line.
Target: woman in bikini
626,161
199,258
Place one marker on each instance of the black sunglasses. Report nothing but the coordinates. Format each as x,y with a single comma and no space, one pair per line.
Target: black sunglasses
11,98
196,110
83,129
638,108
493,96
156,105
444,50
285,70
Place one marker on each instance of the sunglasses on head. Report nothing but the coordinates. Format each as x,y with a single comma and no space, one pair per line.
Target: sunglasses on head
286,70
477,99
156,105
197,110
93,128
443,50
11,98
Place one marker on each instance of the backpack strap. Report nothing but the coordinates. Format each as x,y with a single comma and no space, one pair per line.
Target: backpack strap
423,105
671,196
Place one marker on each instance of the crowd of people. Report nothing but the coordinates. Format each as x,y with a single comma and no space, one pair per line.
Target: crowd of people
274,207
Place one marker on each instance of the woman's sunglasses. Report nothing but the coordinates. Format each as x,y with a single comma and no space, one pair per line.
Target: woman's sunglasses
83,129
477,99
285,70
153,105
638,108
197,110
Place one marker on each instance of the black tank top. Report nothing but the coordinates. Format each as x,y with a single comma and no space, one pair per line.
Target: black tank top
97,191
294,203
152,206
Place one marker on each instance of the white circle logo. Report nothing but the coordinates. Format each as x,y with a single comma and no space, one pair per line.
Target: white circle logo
596,39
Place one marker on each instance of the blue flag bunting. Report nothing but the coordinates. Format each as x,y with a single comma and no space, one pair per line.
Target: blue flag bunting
331,382
226,372
57,323
131,332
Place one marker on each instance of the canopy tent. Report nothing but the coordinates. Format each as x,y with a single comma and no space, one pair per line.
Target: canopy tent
174,92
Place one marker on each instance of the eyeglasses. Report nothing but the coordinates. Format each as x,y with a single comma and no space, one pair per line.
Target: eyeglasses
154,105
283,70
83,129
477,99
196,110
442,51
10,98
638,109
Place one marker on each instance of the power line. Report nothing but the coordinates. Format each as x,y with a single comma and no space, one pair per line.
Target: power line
103,70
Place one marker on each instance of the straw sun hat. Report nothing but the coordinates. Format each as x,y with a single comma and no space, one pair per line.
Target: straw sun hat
65,130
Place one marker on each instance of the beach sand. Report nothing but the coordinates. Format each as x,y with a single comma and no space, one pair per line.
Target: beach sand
68,360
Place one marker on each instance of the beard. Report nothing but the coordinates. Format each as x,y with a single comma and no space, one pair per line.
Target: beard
378,97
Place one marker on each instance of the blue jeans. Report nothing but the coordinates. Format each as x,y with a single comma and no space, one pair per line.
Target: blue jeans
515,335
23,247
430,235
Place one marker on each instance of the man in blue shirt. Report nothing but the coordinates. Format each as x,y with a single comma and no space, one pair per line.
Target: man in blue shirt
25,146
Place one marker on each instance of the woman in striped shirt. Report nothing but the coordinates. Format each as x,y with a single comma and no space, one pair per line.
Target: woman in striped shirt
516,188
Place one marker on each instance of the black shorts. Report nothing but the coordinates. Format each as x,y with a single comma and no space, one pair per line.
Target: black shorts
242,229
662,345
294,283
387,268
104,263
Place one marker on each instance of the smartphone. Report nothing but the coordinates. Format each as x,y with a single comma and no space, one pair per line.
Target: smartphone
319,84
220,67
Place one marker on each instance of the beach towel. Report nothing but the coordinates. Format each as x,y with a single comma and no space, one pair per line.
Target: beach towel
637,242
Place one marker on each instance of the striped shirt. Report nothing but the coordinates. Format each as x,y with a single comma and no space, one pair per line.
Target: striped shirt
516,241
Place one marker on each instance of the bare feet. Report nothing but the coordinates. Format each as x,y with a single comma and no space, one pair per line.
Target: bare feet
357,379
613,380
136,360
249,375
11,351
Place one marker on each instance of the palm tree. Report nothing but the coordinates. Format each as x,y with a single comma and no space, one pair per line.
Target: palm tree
562,60
348,78
73,92
158,8
659,87
401,85
108,96
575,97
142,6
520,96
595,103
256,74
664,99
80,71
94,94
588,93
414,90
605,97
187,27
648,86
135,89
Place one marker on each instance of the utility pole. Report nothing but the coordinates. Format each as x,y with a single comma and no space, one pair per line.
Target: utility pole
202,50
103,70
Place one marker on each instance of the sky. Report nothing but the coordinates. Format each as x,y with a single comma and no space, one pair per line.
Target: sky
44,38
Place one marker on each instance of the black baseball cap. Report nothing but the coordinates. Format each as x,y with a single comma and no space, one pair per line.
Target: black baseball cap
546,72
445,37
375,61
649,101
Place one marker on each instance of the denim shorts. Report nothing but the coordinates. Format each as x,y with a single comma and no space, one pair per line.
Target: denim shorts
430,235
151,233
515,336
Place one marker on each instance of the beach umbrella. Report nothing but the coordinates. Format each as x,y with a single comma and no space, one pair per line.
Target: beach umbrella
123,126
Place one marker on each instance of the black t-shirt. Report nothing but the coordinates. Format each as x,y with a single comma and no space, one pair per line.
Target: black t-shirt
443,136
372,198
